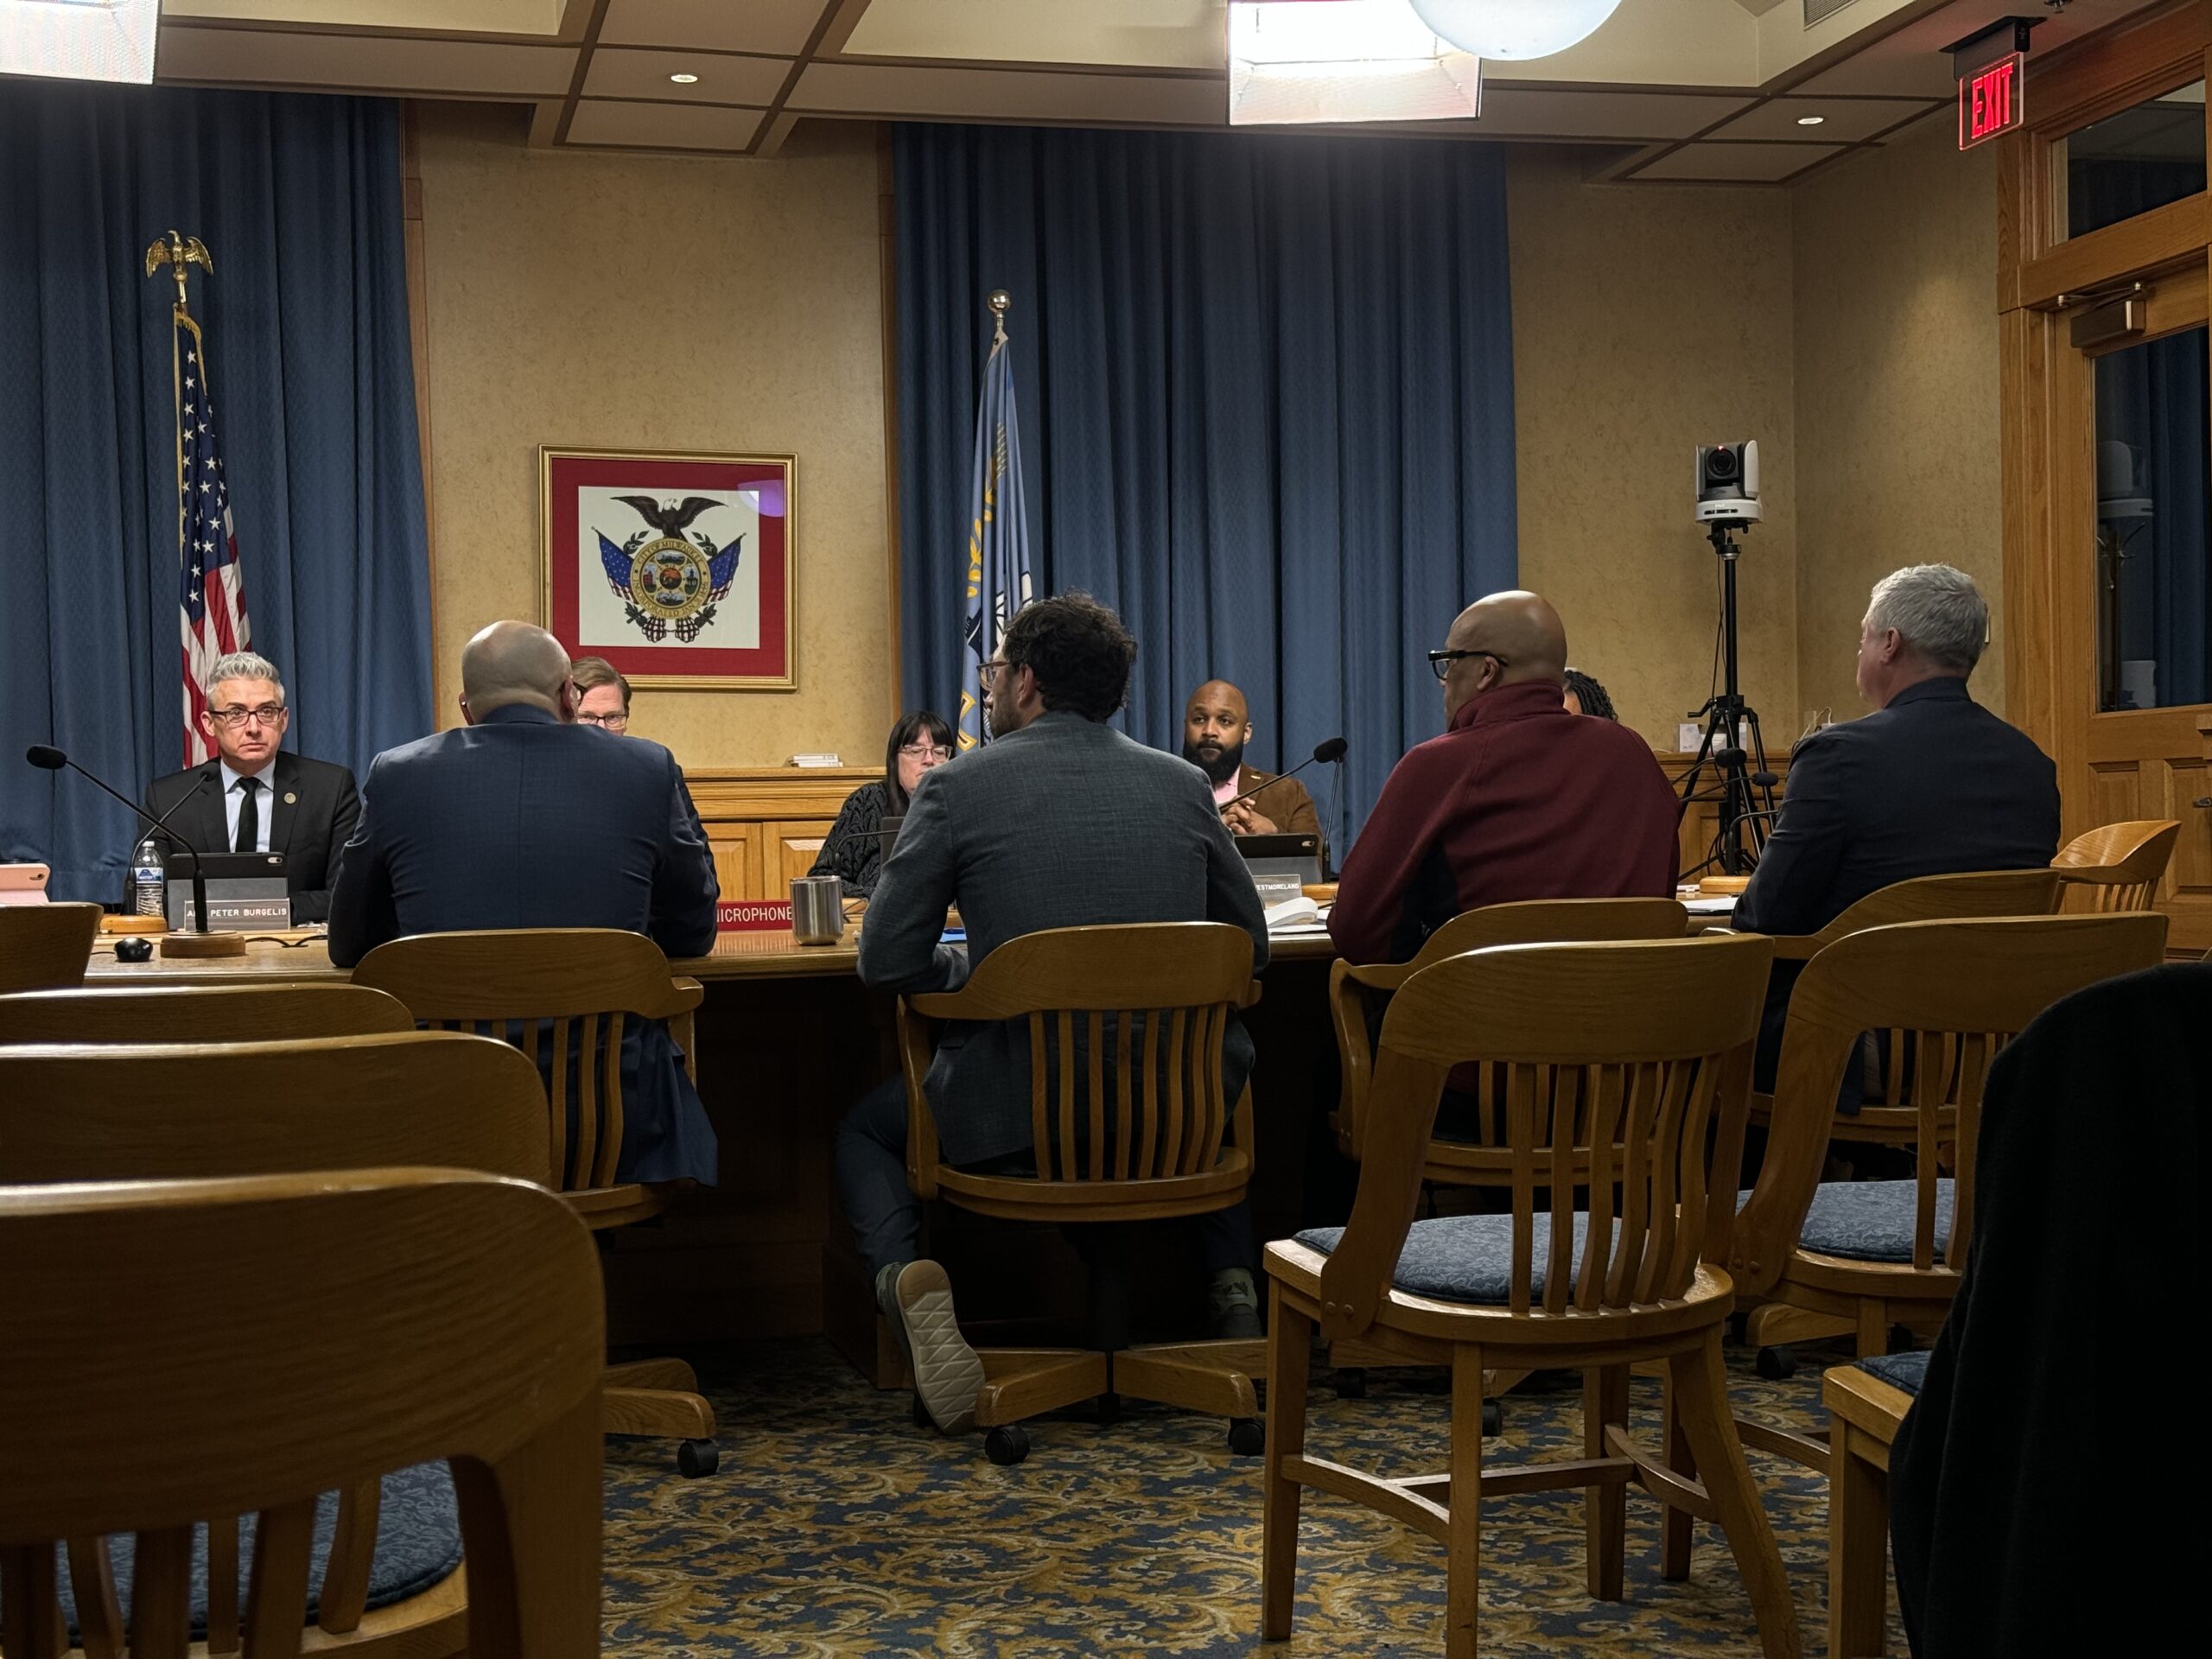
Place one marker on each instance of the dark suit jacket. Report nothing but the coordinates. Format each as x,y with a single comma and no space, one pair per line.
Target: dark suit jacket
1933,784
316,806
520,821
2029,1513
1283,801
1065,824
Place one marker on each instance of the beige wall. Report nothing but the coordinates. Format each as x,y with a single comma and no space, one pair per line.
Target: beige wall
647,301
1646,321
1896,257
716,304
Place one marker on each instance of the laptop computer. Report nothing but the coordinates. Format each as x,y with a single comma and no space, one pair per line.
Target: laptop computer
1283,854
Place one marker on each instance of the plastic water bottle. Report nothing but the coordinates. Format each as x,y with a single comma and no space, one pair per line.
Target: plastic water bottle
149,887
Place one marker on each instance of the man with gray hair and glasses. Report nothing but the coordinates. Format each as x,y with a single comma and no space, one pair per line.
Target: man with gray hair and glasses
1930,783
256,796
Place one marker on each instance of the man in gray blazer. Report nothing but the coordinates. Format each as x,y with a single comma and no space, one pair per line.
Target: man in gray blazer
522,818
1062,822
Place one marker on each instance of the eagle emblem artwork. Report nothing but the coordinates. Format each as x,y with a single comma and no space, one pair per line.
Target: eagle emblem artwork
672,580
678,569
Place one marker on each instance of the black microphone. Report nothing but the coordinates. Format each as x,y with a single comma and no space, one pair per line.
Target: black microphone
1332,749
47,758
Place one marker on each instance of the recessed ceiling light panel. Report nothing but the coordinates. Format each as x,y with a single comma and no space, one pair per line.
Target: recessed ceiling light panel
80,40
1294,62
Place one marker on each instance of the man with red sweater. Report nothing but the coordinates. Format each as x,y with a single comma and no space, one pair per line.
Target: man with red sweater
1518,799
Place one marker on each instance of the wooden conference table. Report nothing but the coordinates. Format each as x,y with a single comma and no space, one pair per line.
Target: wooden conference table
787,1040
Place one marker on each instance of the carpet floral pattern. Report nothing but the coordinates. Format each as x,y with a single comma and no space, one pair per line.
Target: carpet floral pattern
836,1527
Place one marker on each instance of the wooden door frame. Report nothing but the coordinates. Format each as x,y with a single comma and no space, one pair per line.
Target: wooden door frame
2050,594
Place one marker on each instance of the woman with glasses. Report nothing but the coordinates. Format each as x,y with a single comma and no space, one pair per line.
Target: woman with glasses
853,849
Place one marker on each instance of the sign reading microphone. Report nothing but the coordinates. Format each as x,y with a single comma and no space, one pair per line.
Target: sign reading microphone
1989,101
753,916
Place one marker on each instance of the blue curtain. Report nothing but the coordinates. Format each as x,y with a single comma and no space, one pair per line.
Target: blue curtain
1266,384
298,199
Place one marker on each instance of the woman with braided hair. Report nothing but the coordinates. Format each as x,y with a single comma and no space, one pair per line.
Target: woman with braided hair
1586,696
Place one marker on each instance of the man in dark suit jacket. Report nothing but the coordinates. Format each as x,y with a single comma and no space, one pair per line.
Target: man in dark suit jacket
1930,783
1217,725
1061,821
254,796
522,818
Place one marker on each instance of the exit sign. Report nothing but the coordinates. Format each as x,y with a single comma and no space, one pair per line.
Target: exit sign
1989,101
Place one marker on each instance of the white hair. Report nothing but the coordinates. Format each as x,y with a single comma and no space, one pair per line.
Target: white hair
244,665
1936,610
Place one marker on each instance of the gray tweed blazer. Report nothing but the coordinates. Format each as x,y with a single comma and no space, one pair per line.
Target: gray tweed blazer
1065,824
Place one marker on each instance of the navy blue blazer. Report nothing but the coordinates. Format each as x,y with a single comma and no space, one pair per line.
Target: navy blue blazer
1933,784
521,821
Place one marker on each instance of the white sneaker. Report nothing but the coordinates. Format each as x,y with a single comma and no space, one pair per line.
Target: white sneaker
948,1374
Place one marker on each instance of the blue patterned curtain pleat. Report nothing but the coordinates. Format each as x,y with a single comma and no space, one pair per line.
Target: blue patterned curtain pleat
1266,384
299,200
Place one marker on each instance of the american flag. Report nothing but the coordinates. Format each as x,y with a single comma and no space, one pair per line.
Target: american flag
211,594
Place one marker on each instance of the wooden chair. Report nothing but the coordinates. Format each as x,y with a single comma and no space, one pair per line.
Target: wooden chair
1866,1403
1357,998
1151,1142
420,1314
575,986
160,1112
2118,866
199,1013
1930,898
1359,993
1620,1059
44,946
1855,1257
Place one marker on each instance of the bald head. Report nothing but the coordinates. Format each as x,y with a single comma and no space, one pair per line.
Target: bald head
1521,639
511,663
1216,724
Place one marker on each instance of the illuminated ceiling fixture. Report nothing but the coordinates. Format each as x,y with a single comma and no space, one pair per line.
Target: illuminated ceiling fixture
1810,120
1513,29
80,40
684,81
1306,60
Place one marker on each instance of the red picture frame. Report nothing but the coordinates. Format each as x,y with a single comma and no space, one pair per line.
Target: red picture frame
676,569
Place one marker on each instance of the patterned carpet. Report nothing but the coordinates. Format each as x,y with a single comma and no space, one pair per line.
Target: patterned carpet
836,1527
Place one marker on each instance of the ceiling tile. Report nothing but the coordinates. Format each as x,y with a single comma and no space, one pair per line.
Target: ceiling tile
1010,95
247,57
1737,164
620,73
1843,120
663,126
784,26
1519,113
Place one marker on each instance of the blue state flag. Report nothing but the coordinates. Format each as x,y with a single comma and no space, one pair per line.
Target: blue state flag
998,536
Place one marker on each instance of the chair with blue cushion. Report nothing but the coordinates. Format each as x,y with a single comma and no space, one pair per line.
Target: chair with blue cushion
1838,1258
384,1549
177,1350
1867,1402
1624,1069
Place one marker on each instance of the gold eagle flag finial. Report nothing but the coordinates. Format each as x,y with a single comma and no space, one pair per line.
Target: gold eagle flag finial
178,253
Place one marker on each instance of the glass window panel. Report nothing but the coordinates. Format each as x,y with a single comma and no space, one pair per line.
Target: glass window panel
2154,610
2128,163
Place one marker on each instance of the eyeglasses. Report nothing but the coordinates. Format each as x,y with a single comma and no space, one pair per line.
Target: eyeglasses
1441,661
991,672
926,751
612,722
268,713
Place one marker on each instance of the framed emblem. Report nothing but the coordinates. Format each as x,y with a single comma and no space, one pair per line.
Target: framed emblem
676,569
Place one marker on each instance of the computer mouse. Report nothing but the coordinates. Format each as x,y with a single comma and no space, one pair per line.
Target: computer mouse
134,949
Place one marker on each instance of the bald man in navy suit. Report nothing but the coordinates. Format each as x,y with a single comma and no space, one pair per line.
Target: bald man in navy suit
524,818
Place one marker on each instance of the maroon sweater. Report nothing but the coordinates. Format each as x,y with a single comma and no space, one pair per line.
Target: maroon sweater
1520,799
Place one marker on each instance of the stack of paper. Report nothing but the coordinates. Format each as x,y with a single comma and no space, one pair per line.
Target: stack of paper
817,761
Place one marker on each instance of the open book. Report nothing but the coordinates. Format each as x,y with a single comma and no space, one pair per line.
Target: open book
1299,915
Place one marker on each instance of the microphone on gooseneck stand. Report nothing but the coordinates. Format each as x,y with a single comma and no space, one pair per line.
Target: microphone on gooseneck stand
46,757
1332,749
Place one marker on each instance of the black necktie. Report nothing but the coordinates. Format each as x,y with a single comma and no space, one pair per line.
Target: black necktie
248,839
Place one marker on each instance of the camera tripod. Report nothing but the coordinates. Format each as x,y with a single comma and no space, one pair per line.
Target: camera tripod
1741,783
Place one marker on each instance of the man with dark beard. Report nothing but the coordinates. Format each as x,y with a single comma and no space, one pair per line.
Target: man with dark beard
1217,725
